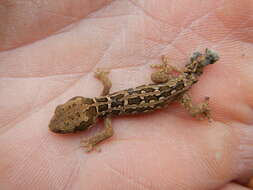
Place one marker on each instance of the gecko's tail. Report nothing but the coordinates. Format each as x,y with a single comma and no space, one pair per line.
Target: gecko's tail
198,61
210,57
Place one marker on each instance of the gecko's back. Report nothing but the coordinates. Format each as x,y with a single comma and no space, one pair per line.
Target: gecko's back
141,99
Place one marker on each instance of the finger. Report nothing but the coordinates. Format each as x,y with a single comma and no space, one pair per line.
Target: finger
250,184
234,186
18,27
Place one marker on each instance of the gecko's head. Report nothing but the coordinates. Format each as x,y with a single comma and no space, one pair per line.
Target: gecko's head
199,61
75,115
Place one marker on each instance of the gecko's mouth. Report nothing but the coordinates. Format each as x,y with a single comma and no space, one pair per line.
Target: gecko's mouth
55,127
56,130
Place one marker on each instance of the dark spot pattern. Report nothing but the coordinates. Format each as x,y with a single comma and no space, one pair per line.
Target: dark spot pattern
91,114
143,109
102,107
116,97
147,90
83,125
136,100
165,94
132,91
163,88
117,104
115,112
129,110
149,98
103,99
92,111
88,101
179,86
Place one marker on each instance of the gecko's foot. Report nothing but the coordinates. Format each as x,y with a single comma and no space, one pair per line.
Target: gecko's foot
203,110
100,73
87,145
164,72
165,62
160,76
206,111
165,66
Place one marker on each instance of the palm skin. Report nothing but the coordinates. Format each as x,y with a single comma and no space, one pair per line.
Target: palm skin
166,149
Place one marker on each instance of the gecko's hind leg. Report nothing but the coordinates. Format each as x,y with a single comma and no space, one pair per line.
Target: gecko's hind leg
90,142
200,111
164,72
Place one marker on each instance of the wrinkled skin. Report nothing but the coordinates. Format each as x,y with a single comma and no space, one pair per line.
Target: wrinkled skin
48,55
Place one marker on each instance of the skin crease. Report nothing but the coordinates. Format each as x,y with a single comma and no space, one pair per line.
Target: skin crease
48,55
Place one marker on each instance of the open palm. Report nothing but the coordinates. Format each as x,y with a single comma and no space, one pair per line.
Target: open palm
51,57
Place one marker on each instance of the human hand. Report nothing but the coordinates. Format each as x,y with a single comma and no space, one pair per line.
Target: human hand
51,56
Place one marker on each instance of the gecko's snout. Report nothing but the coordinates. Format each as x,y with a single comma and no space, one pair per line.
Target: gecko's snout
55,130
56,125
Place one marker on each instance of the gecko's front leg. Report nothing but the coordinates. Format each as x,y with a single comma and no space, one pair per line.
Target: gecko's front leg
90,142
103,77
